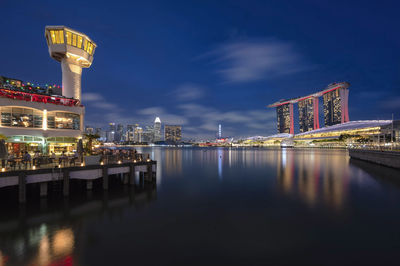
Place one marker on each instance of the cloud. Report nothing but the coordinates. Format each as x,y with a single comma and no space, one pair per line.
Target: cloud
91,97
188,92
98,101
255,60
392,103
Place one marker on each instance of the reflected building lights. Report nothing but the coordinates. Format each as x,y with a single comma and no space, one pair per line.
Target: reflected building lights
220,158
331,190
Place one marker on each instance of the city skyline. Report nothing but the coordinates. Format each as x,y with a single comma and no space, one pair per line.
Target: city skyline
200,76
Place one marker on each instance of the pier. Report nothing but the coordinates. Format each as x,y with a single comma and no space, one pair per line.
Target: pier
382,157
132,172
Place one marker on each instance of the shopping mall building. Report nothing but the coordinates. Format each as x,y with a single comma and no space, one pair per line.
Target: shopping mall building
48,118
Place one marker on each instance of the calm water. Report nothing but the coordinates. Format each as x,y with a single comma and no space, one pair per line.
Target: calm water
217,207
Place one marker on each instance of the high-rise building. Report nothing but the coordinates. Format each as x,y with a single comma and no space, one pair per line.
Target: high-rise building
335,98
119,133
336,106
172,133
308,114
138,134
157,129
284,114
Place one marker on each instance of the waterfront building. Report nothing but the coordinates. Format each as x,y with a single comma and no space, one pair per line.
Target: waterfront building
308,114
119,133
36,117
172,133
138,134
363,132
335,98
284,114
336,107
157,129
148,134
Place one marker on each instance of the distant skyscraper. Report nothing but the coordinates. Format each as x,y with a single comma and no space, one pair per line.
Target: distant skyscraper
111,132
119,133
138,134
308,114
157,129
172,133
336,106
284,114
219,131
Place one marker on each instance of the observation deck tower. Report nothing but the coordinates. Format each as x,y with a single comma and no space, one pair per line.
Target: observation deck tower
75,51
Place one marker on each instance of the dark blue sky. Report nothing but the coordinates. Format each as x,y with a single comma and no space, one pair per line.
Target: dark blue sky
201,63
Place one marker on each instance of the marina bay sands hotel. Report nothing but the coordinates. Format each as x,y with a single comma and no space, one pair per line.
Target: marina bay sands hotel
335,100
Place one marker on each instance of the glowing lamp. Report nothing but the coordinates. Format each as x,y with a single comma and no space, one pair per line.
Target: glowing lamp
3,169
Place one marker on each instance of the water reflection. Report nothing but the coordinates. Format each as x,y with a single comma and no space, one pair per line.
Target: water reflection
313,176
48,236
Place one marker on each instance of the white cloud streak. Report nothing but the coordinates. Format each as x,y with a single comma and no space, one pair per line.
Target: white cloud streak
256,60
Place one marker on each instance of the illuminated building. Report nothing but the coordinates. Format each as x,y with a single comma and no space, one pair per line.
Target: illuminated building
46,118
335,98
284,114
74,50
157,129
308,114
172,133
336,106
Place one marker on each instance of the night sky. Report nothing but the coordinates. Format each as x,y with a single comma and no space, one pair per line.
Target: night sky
201,63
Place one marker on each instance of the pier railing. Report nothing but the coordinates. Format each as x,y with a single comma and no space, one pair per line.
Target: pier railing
69,161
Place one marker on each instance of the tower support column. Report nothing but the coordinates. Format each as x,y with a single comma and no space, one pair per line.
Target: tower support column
316,112
71,79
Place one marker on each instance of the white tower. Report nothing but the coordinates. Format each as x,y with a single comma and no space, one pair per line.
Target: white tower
74,50
219,131
157,129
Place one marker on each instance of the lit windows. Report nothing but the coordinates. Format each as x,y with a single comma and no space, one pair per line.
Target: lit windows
74,39
69,37
61,36
53,36
79,41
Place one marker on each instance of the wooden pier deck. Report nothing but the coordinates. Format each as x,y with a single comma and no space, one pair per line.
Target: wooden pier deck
128,169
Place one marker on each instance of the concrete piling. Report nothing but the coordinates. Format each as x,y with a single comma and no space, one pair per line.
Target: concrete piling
22,187
66,183
43,189
105,178
89,184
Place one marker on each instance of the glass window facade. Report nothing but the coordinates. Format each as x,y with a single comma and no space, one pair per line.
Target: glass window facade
21,117
57,36
62,120
79,42
31,118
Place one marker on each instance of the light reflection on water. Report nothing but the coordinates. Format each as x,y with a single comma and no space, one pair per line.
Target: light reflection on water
240,180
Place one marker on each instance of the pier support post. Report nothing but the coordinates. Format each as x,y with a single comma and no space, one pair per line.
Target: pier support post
105,178
149,173
125,178
43,189
22,187
132,180
89,184
66,183
141,178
